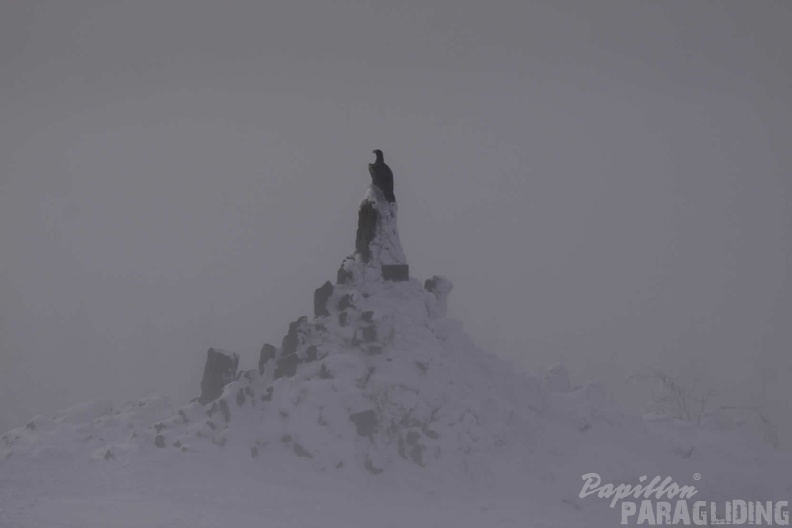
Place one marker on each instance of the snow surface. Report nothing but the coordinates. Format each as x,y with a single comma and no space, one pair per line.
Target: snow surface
392,418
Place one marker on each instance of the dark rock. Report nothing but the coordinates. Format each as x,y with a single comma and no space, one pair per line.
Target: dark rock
267,396
440,287
226,410
109,455
366,422
159,441
324,372
367,227
267,354
370,333
367,316
240,398
30,425
311,353
343,318
297,329
287,366
219,370
321,295
300,451
345,302
429,433
159,426
396,272
344,275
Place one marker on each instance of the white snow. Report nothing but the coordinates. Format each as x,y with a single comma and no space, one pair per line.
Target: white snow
461,438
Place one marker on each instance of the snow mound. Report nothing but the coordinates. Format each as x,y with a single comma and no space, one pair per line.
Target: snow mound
374,384
381,382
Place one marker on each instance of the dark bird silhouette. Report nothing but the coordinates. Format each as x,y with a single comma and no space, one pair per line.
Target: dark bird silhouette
382,177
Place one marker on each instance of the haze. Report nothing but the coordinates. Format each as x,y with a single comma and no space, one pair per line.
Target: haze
606,183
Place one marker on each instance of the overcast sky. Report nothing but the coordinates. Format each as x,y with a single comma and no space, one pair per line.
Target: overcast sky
606,183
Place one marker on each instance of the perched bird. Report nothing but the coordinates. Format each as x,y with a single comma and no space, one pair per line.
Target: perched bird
382,177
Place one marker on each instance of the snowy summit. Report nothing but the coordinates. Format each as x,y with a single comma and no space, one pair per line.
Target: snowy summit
377,389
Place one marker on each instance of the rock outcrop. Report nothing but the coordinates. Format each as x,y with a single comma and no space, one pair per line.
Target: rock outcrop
219,370
378,376
321,295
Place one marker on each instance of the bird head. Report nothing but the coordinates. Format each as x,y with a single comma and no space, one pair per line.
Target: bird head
378,152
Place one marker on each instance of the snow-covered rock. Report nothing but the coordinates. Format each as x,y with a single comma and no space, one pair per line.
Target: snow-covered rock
380,384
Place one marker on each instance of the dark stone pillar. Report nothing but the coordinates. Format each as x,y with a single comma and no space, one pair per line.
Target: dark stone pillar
219,370
267,354
367,225
292,339
321,295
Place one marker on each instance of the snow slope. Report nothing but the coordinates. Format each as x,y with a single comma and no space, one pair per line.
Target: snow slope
379,411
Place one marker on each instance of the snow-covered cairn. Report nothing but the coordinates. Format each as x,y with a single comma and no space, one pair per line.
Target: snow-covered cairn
377,377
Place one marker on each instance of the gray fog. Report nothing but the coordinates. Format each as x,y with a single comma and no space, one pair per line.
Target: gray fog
606,183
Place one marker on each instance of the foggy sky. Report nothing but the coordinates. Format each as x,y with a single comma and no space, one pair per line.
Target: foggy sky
606,183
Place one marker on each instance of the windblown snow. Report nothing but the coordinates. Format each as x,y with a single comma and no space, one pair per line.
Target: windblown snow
380,411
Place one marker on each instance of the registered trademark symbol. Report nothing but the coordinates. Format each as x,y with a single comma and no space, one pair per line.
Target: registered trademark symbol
696,476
